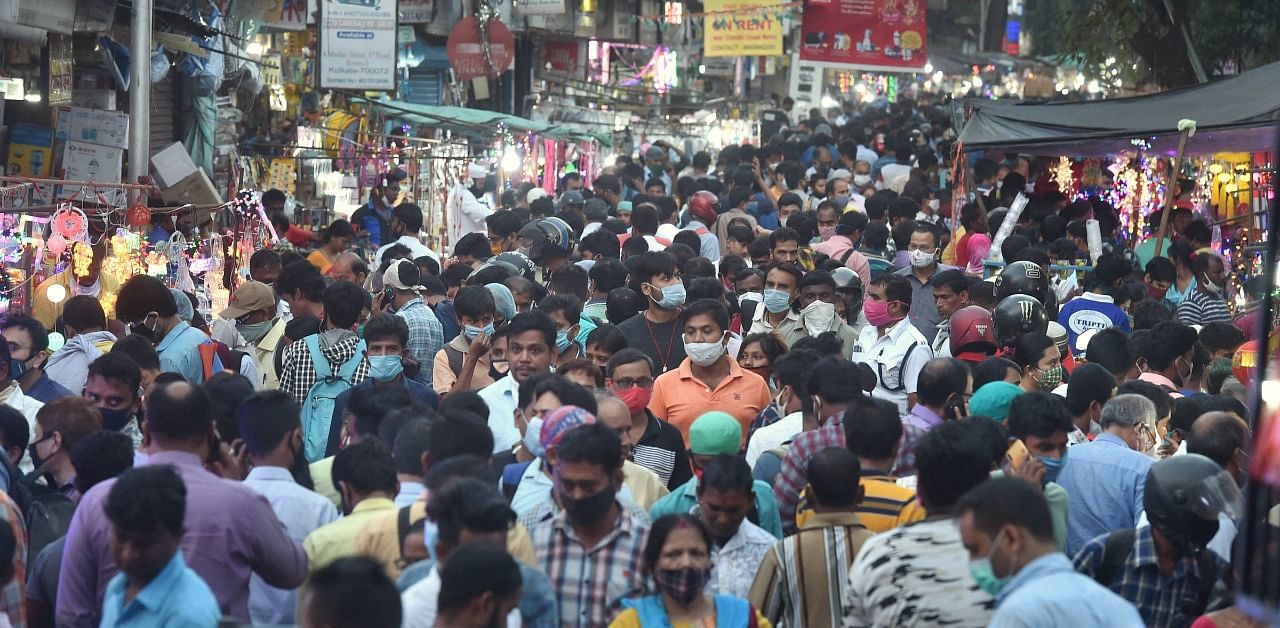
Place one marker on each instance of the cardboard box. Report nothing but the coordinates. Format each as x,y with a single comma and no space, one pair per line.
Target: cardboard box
172,165
196,188
30,151
82,161
94,126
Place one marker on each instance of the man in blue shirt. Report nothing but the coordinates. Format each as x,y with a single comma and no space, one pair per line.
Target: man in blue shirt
1104,478
29,352
149,309
1096,309
155,587
1006,526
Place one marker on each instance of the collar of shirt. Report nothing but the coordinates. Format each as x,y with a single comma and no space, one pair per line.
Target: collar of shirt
270,474
411,303
1049,564
895,332
927,417
1110,439
154,594
910,274
173,335
176,458
758,317
373,504
1097,298
1158,380
686,371
832,520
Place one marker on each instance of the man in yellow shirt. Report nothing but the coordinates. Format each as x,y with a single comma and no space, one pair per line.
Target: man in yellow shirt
93,283
366,479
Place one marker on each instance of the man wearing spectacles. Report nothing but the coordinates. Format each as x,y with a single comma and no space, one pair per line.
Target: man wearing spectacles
658,445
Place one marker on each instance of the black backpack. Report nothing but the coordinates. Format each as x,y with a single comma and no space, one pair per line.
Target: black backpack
46,511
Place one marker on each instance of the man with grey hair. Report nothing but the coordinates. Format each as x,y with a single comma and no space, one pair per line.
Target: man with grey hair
1104,478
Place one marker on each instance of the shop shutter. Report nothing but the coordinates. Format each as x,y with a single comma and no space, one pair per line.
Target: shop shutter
424,86
164,107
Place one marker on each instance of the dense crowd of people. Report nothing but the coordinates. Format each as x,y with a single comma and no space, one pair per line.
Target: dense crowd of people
773,388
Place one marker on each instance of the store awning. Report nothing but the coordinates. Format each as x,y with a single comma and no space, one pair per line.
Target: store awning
1235,114
472,121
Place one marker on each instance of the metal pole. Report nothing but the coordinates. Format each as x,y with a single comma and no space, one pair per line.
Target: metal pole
140,93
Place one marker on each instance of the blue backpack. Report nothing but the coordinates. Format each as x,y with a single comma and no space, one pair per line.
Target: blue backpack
317,410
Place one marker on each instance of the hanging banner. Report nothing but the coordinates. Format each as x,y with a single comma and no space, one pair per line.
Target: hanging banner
416,11
742,28
869,34
358,44
541,7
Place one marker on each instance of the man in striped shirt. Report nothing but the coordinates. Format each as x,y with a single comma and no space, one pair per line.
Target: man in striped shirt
803,577
1206,304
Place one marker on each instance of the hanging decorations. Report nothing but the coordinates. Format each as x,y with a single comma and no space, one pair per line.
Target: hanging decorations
1062,175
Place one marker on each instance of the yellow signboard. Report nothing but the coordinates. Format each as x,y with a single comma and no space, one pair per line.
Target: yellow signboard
742,28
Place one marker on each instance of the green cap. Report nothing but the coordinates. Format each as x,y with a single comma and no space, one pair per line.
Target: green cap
715,433
624,206
993,400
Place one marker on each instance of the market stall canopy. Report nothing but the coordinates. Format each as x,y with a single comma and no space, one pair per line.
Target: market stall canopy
471,121
1235,114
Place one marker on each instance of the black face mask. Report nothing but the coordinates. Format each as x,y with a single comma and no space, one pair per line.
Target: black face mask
144,331
115,420
36,460
588,510
499,369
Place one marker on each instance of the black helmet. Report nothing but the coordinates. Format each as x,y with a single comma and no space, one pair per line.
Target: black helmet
523,265
1183,497
547,235
492,271
1016,315
1023,278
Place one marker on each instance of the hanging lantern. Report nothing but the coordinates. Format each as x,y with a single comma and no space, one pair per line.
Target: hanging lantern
56,244
138,216
1245,362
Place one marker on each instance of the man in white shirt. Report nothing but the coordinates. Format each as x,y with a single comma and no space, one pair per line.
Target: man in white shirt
791,372
726,494
890,344
531,339
406,222
272,433
468,206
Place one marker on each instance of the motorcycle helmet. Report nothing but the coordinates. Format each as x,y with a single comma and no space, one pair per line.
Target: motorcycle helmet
1183,497
1023,278
973,337
1016,315
520,262
704,206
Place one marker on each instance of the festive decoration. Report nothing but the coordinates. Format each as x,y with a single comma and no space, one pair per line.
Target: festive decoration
138,216
81,258
1062,175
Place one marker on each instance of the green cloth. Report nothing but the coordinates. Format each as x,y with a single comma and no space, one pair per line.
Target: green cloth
1058,504
1147,250
993,400
683,499
715,433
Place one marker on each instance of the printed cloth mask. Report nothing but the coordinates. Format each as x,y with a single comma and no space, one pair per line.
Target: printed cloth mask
920,259
1050,379
683,585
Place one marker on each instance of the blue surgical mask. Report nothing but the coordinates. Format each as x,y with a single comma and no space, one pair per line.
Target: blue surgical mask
471,331
672,296
532,437
385,368
562,340
1052,466
776,301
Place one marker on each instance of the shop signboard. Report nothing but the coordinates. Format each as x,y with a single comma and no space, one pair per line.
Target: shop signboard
561,56
742,28
541,7
416,11
358,44
466,51
885,35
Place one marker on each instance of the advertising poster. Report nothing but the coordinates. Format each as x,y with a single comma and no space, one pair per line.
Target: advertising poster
416,11
358,44
869,34
288,15
742,28
91,162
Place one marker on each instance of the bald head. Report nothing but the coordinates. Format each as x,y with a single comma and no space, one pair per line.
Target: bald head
178,415
613,412
349,267
1219,436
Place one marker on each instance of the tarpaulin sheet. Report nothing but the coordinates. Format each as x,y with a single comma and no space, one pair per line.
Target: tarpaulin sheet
1234,114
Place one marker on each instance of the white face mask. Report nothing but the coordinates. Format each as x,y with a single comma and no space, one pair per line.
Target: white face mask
862,180
921,259
818,317
704,354
934,204
1213,288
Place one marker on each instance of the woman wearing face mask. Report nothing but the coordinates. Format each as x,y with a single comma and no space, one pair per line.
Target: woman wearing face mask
759,351
677,557
1037,355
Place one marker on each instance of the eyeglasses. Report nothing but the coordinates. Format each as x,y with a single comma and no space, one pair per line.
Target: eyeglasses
624,384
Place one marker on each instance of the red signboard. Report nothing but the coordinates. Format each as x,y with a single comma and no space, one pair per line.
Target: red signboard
561,56
870,34
467,54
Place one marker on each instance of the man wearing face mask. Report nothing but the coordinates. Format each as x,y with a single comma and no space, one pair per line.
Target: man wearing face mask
1184,497
1222,437
29,350
594,542
113,386
659,446
923,253
406,224
374,218
385,338
1170,356
1105,477
656,332
791,371
708,379
59,426
1040,421
781,283
817,305
1006,526
253,309
531,339
1207,303
403,280
890,344
148,308
842,246
463,363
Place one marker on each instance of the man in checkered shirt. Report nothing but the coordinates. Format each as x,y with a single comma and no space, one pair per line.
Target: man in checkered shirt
426,334
343,301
